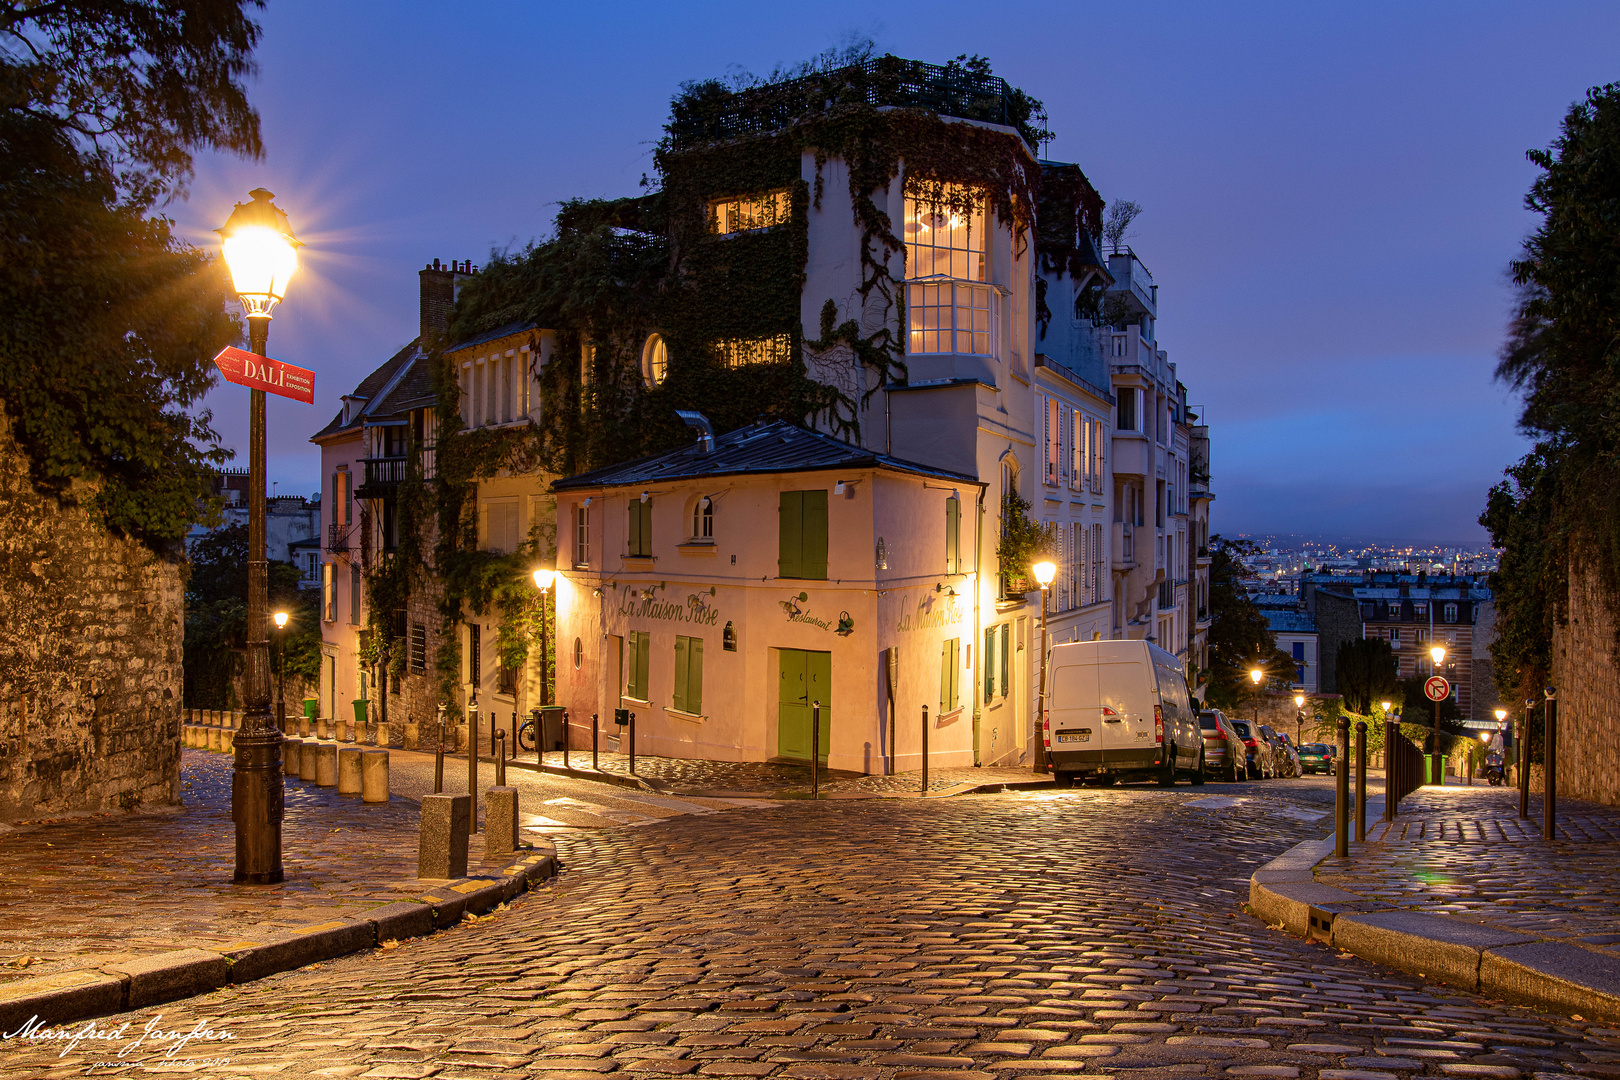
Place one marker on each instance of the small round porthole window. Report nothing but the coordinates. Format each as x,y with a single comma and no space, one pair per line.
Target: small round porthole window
654,360
579,653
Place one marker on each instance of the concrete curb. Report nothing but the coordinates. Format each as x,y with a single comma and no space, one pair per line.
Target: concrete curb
111,988
1478,958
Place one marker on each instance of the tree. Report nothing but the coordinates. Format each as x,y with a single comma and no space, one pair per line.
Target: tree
1117,226
1240,639
1559,508
110,321
216,619
1367,673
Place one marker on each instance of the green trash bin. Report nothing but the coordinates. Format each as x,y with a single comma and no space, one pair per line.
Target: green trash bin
312,708
362,711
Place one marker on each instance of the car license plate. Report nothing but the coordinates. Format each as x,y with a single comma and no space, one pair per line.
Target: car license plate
1083,735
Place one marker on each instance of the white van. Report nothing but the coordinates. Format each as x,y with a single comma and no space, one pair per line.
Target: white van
1118,708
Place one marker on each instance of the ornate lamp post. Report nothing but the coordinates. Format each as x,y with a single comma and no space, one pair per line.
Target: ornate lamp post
1299,719
261,253
1257,677
543,580
1045,571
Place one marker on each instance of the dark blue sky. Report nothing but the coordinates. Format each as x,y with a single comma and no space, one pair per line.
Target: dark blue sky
1331,192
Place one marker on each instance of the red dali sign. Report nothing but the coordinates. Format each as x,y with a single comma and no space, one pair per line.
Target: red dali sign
262,373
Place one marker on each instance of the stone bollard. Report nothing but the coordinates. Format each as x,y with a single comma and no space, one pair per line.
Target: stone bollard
412,737
292,757
326,764
383,734
345,731
216,739
500,822
306,760
303,727
374,775
320,728
236,720
185,736
442,850
348,770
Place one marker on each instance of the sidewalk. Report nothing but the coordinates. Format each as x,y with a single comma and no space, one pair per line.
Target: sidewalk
1460,889
83,895
775,779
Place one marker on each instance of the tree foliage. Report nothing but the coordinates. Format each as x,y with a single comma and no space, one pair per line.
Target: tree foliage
216,620
1558,510
107,320
1240,639
1366,673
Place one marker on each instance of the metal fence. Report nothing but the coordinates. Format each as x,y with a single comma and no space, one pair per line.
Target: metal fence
1403,769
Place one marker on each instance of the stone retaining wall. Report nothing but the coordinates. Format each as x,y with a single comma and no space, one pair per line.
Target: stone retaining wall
90,644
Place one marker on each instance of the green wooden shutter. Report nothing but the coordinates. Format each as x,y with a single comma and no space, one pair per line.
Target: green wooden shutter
1005,657
679,700
953,535
694,676
633,546
790,515
643,653
956,672
987,660
646,528
815,535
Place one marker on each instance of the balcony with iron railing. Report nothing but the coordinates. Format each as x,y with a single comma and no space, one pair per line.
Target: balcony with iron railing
382,477
337,537
711,112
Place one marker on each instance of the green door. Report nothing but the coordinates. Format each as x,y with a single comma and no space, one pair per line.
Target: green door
803,677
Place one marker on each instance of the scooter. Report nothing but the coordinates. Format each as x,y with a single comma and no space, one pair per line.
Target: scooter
1494,773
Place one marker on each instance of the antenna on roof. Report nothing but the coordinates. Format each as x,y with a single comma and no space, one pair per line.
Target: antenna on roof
697,420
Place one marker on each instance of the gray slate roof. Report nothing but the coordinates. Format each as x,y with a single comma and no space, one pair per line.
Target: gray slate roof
775,447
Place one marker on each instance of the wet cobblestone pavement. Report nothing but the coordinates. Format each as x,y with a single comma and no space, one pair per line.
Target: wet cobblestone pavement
1020,936
1464,851
786,779
101,889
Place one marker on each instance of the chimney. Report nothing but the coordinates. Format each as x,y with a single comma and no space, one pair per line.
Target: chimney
439,285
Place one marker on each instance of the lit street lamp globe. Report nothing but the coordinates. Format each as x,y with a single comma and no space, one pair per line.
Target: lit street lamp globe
1299,701
281,620
544,578
1256,676
1045,571
1439,654
261,252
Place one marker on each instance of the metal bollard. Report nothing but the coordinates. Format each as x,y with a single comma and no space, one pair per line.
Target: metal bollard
565,739
472,768
595,729
500,758
438,770
925,751
514,743
1391,760
1361,781
1549,757
1470,763
815,749
539,737
1341,801
1524,763
632,743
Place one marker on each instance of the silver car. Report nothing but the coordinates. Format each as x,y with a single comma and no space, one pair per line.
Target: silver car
1261,762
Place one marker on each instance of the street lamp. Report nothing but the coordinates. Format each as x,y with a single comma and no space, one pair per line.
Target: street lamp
1256,676
280,618
1299,719
542,581
261,254
1045,571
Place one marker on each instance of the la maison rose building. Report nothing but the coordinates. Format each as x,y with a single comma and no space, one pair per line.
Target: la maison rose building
721,590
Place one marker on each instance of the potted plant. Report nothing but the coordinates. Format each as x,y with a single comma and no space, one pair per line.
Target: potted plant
1023,539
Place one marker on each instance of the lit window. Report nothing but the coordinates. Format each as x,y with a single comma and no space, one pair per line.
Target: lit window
654,360
741,352
945,234
745,213
951,318
703,519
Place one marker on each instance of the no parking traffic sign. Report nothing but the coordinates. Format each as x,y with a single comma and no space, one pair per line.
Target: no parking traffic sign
1436,688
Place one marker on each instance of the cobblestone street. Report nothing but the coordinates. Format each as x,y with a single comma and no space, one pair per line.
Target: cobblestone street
1013,936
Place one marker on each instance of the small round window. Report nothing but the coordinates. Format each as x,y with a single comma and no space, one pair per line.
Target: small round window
654,360
579,653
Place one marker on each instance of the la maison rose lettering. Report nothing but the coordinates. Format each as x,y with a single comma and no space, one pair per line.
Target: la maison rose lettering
933,611
696,610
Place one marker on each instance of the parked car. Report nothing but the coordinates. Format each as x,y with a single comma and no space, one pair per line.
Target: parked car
1120,709
1260,762
1316,757
1224,752
1293,753
1285,763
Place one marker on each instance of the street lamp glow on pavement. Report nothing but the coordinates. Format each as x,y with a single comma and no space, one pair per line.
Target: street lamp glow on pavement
261,253
1044,571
